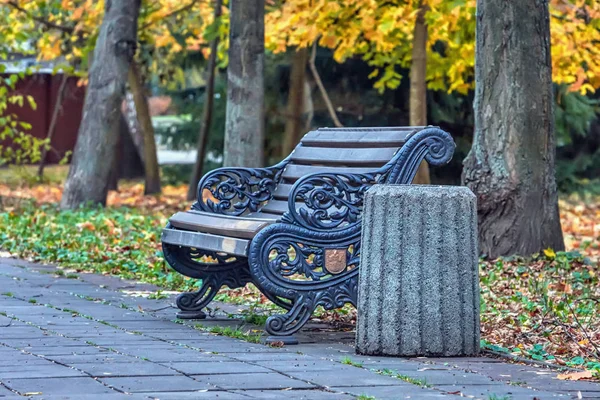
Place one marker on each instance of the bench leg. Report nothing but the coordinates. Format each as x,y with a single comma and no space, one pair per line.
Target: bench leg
291,322
226,270
192,304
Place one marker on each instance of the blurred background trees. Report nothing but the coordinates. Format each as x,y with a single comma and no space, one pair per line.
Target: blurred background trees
380,63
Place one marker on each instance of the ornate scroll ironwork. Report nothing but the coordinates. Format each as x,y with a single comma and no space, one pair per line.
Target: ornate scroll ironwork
328,201
233,191
287,261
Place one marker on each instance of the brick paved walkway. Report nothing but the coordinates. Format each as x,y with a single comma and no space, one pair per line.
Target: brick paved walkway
85,338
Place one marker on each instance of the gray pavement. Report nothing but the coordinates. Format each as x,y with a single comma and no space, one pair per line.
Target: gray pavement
88,338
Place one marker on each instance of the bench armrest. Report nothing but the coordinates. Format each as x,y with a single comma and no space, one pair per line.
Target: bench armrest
235,191
326,201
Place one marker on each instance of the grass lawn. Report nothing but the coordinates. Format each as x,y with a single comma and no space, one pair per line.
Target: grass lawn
546,307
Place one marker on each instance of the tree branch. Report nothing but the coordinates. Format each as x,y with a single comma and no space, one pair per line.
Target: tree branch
49,24
324,94
174,12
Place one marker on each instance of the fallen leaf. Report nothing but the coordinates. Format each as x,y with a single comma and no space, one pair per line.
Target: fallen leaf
575,376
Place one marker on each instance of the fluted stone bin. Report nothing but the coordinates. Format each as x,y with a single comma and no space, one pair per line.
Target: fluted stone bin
418,286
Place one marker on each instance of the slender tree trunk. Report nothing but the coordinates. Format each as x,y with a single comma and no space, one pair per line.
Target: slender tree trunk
296,107
152,173
511,164
133,126
92,159
322,90
57,108
208,109
115,170
245,118
418,83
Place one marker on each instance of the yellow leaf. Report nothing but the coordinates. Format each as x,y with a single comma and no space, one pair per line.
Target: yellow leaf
550,253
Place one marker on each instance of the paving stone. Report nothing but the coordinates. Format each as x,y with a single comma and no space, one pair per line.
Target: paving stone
165,356
22,360
279,356
5,392
203,394
498,391
450,360
49,370
304,366
57,386
93,358
79,396
550,383
253,381
125,369
294,394
206,368
398,392
354,377
49,351
152,384
451,377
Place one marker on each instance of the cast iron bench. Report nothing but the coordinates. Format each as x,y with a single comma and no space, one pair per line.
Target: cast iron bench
294,229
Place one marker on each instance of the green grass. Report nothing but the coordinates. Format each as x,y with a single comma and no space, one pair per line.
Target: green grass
348,361
365,397
232,333
16,175
8,294
32,301
415,381
117,241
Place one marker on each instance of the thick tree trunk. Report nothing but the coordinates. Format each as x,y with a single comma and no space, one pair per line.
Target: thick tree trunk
418,83
208,110
296,108
57,108
511,164
245,119
152,173
92,159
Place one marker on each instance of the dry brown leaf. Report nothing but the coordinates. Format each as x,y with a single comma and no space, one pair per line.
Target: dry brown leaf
575,376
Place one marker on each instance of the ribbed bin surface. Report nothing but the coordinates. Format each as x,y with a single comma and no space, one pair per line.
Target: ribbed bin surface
418,287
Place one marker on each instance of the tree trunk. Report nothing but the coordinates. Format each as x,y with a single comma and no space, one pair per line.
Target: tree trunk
208,109
418,83
152,173
296,109
92,159
57,108
322,90
133,126
511,164
245,118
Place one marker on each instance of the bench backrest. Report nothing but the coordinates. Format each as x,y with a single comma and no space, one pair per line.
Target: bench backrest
338,150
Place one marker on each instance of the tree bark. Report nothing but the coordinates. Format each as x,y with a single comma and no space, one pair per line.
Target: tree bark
322,90
418,83
208,110
245,118
57,108
296,108
151,169
511,164
92,159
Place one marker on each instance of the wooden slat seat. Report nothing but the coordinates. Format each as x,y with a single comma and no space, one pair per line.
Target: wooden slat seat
244,227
